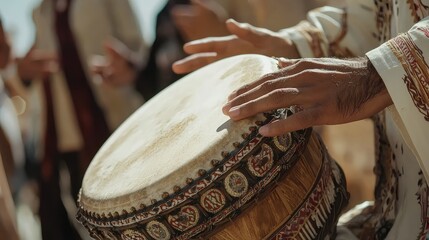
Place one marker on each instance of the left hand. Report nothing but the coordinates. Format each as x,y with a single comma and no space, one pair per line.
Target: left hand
328,91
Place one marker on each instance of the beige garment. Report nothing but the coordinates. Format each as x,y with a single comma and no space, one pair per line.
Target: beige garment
92,23
11,149
8,228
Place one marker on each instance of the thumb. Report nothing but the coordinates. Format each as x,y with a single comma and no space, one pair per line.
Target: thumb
254,35
112,52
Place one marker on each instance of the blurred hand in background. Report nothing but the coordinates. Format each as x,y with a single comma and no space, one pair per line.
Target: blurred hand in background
118,67
37,64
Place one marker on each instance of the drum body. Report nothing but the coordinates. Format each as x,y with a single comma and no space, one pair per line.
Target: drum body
179,169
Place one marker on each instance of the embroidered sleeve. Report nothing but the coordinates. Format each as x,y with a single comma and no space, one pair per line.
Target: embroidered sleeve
402,62
330,31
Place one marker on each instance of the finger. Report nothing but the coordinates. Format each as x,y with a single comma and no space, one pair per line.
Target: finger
291,67
285,62
300,65
98,61
210,44
252,85
278,98
96,70
282,84
194,62
247,32
113,53
295,122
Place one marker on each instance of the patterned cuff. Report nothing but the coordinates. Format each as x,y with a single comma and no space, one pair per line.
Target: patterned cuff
401,65
307,39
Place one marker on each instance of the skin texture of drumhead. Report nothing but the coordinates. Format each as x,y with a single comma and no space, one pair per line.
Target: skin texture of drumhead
171,137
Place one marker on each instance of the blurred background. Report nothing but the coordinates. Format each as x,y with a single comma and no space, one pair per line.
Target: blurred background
17,20
18,23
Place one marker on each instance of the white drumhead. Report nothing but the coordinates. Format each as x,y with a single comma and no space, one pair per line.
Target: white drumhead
171,137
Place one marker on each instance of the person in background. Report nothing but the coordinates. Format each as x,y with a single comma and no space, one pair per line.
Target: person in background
11,150
76,111
181,21
8,228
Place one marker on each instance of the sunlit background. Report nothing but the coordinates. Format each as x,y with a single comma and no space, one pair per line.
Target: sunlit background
16,17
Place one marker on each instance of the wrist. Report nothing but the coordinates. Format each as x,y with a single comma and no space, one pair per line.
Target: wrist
373,80
289,48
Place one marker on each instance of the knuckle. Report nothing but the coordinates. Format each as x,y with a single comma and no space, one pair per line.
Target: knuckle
267,85
243,89
301,63
267,76
279,96
314,116
279,93
306,73
310,118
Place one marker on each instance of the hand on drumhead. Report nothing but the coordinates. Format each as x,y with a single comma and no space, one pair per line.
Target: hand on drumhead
245,38
327,91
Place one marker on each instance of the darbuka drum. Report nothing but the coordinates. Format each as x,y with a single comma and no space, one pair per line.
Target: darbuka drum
179,169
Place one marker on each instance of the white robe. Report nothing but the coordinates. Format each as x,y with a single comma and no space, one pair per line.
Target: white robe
394,35
92,23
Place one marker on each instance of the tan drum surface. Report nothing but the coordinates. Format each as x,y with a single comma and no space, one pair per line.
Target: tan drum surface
179,169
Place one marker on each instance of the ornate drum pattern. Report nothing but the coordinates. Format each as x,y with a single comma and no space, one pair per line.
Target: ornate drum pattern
178,176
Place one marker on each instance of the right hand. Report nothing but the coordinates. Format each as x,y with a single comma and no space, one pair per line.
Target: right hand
118,67
245,39
37,64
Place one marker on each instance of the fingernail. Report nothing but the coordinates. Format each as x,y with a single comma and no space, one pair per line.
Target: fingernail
226,107
234,112
263,130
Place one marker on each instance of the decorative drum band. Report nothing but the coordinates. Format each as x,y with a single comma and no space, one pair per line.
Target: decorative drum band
232,185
